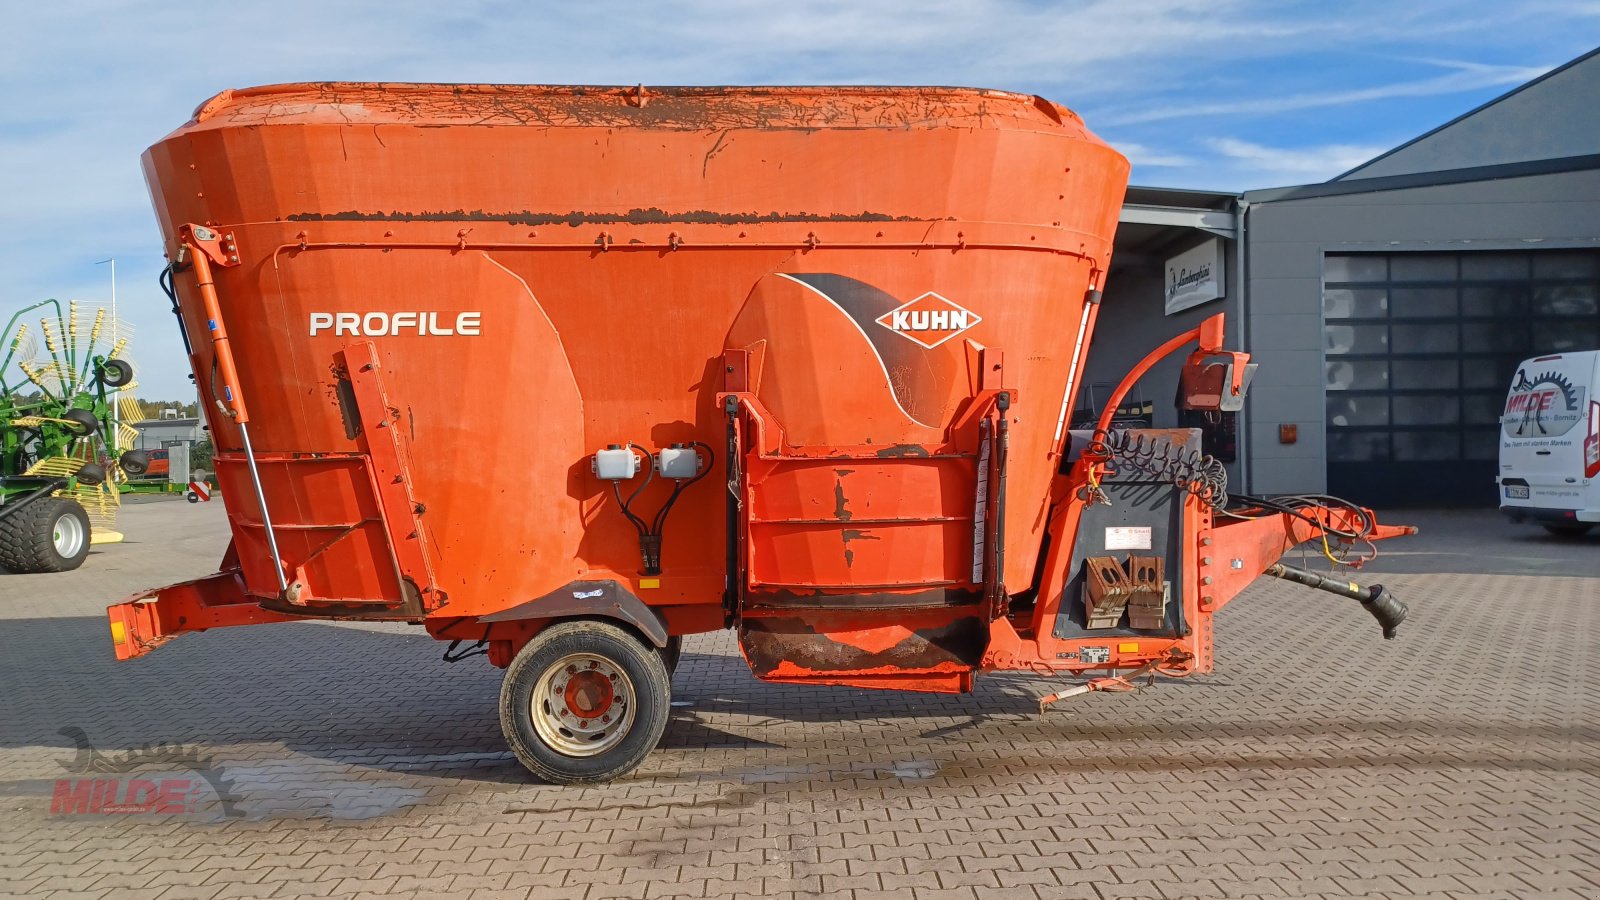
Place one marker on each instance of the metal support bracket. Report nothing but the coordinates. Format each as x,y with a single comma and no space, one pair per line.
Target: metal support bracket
1147,593
1106,591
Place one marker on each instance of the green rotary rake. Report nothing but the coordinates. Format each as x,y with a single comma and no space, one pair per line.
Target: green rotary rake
62,448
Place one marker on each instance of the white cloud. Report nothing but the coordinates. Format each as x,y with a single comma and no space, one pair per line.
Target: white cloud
1291,165
1464,79
1140,155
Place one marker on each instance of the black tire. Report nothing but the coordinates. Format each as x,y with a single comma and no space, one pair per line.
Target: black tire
671,653
83,422
192,497
91,474
28,537
626,654
1564,529
134,462
115,373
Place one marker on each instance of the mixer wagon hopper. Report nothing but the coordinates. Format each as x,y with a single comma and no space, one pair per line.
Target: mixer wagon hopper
562,374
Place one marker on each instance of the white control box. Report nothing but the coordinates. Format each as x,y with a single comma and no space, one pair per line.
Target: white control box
678,463
615,463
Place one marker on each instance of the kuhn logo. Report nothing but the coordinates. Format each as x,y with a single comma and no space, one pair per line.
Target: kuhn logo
929,320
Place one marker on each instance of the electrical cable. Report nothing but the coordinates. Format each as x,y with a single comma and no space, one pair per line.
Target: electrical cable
481,647
679,485
1205,477
1298,506
638,523
650,534
168,287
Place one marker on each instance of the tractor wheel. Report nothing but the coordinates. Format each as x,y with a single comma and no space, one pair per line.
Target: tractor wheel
83,421
50,534
1564,529
134,462
115,373
671,653
584,702
91,474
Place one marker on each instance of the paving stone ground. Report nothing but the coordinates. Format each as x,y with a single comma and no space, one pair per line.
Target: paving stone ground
1459,761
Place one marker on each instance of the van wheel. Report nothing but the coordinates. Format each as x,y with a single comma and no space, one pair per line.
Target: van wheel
584,702
1563,529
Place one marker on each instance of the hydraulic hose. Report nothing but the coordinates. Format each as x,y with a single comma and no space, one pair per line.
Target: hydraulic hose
1377,600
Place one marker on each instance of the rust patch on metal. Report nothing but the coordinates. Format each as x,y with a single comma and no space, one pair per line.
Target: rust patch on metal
645,216
933,598
899,451
841,509
675,108
770,643
854,534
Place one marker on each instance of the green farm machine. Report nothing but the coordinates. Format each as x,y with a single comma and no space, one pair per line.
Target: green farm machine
62,446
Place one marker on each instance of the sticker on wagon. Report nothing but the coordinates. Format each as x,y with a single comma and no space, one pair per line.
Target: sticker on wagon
1094,655
1128,538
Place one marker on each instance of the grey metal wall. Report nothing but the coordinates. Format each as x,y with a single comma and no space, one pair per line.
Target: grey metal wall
1286,241
1550,117
1133,321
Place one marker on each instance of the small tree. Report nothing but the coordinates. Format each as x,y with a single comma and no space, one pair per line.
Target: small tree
200,455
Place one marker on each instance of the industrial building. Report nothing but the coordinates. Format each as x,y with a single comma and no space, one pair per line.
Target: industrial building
158,434
1388,307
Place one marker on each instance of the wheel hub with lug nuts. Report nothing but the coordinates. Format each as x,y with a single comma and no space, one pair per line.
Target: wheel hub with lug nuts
583,705
67,536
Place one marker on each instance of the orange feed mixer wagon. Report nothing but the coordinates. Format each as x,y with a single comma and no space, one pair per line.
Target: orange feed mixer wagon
562,374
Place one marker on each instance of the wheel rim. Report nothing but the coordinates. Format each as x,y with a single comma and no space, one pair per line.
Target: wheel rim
67,535
583,705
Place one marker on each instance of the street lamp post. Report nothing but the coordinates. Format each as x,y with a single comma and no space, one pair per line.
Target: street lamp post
113,263
115,413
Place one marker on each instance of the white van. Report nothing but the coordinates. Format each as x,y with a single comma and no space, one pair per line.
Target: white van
1550,443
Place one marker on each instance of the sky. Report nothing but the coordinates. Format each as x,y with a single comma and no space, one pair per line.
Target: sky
1214,94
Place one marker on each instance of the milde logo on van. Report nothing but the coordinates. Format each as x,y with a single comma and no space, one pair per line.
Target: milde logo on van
1533,404
929,320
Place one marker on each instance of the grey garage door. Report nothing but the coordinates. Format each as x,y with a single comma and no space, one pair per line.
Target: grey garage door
1419,350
